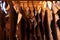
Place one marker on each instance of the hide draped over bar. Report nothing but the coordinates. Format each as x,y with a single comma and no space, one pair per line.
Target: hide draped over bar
29,20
